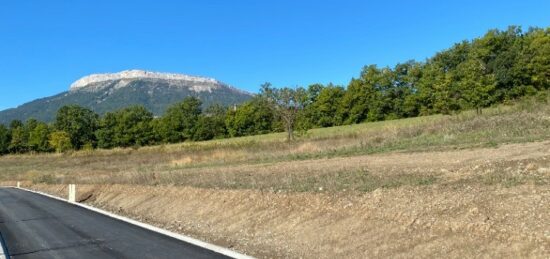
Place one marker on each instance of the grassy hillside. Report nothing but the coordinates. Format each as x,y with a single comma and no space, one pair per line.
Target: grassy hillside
525,121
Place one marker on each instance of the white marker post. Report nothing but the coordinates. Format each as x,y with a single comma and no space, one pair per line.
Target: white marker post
18,184
72,193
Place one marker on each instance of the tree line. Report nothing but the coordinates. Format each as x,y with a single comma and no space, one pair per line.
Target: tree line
499,67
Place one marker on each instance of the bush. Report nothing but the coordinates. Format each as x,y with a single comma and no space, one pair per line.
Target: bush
60,141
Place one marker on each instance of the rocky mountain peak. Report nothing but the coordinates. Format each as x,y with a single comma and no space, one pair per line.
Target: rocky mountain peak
104,93
195,83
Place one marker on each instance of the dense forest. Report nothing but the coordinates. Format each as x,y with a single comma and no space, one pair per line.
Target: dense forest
499,67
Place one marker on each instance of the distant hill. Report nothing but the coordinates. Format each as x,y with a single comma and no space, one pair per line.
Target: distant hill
108,92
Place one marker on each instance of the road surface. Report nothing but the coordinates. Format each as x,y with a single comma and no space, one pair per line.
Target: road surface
35,226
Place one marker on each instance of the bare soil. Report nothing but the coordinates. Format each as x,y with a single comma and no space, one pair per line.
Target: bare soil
486,202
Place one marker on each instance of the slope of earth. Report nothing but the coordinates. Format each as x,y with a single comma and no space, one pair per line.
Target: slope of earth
491,202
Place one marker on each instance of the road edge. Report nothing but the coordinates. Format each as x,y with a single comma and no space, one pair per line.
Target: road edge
4,254
187,239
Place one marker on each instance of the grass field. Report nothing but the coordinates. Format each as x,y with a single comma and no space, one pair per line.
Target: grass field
192,164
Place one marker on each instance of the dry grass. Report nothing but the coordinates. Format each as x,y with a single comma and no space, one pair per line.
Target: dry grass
193,163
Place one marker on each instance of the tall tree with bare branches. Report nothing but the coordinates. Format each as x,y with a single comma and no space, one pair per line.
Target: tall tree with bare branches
287,103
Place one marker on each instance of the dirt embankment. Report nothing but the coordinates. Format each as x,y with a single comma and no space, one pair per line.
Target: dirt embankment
405,222
486,203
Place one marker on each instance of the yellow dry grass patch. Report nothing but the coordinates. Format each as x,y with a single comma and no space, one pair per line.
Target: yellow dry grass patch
182,161
308,147
212,156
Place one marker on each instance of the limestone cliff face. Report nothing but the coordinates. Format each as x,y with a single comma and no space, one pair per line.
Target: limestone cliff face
124,78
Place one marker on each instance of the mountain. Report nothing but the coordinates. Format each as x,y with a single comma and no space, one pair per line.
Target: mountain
108,92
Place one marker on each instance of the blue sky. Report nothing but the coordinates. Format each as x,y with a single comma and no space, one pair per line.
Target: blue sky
46,45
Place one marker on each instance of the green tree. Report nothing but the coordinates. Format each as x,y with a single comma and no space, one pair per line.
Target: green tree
207,128
384,102
506,65
106,132
126,127
250,118
80,123
287,104
180,120
134,127
157,127
30,124
5,139
476,86
354,106
313,91
19,138
402,94
323,112
38,138
363,98
437,92
16,124
537,57
211,124
60,141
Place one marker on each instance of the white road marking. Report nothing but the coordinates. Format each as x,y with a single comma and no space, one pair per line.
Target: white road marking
3,250
187,239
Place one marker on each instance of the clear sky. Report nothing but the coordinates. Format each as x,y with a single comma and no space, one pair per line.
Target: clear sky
46,45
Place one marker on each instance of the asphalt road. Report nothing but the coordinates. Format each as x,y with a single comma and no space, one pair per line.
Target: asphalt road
35,226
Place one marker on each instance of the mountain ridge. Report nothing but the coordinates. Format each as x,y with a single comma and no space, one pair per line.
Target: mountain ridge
108,92
137,74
